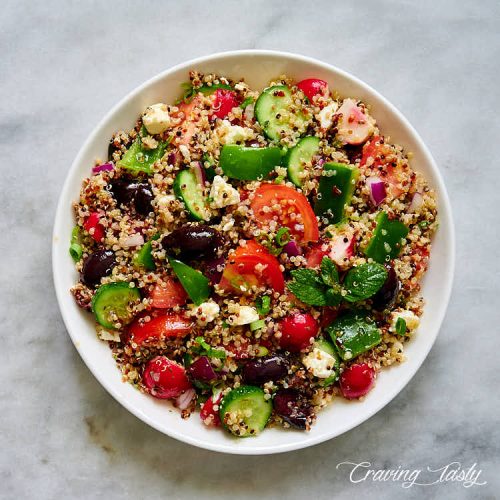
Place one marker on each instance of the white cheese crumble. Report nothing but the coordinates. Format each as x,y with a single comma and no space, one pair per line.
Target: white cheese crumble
107,335
242,315
319,363
231,134
206,312
325,116
185,152
411,319
156,118
223,194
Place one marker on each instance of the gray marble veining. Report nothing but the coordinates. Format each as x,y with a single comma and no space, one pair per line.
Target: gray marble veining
64,64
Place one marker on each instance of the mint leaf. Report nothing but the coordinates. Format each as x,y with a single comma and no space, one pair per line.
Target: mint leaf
308,288
401,326
329,272
363,281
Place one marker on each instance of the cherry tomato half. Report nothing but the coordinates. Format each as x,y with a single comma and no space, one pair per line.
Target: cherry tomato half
165,378
357,380
297,330
251,265
224,101
167,325
94,227
313,87
168,295
292,210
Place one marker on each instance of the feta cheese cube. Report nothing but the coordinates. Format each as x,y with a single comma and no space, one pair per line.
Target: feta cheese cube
411,319
319,363
223,194
232,134
206,312
325,116
242,315
156,118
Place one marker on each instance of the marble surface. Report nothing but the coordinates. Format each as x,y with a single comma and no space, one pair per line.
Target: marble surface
64,64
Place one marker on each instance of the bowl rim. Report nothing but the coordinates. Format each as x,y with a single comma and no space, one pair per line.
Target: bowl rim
445,210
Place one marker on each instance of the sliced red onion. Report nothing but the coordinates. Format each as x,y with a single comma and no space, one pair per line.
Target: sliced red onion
377,190
320,162
105,167
201,370
134,240
292,249
199,171
416,203
184,400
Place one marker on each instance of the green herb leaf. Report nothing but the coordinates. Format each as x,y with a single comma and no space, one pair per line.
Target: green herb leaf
363,281
329,272
263,304
400,326
208,350
308,287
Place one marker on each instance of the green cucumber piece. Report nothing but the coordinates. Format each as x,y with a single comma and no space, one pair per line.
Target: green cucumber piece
335,190
327,347
298,156
272,112
242,400
144,258
194,282
114,299
248,164
139,159
386,242
352,334
188,189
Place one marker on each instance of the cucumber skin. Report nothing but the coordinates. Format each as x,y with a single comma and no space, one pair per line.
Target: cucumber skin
104,290
264,161
294,169
338,203
235,395
185,198
264,110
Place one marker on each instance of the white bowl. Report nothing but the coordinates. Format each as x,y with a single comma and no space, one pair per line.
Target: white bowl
258,68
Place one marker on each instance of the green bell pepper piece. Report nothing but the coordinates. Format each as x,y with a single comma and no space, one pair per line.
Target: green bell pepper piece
240,162
386,242
194,282
139,159
143,257
335,190
352,334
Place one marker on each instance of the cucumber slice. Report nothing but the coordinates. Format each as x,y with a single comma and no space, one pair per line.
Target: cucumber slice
298,156
196,284
335,190
188,189
249,164
112,302
272,112
246,408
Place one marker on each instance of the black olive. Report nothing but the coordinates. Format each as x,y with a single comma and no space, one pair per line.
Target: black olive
193,241
97,265
131,193
265,369
387,295
293,407
123,191
143,199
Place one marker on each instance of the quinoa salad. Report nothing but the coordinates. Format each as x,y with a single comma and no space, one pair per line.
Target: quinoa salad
253,255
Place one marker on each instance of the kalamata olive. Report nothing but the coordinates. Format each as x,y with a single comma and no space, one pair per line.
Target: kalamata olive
137,194
387,295
265,369
293,407
123,191
193,241
144,198
97,265
214,268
